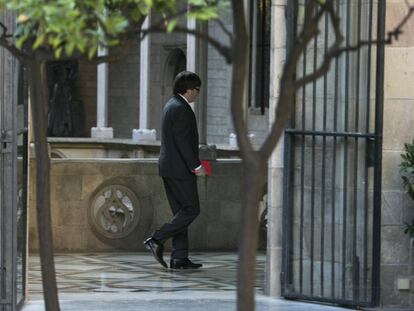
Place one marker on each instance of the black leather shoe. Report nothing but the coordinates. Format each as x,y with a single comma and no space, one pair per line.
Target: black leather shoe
156,249
184,263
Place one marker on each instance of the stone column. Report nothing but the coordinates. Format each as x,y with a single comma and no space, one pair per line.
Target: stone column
143,133
397,208
247,12
275,166
102,130
191,49
197,59
144,74
253,56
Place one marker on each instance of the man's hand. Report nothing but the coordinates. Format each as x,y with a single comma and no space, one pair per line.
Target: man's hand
200,171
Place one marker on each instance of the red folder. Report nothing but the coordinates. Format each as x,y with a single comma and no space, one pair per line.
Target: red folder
207,167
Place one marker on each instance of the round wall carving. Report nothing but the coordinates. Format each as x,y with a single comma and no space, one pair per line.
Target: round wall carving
114,211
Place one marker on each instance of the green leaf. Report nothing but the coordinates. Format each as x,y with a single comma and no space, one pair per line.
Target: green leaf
92,51
80,45
64,26
39,41
58,52
20,41
407,168
69,48
171,25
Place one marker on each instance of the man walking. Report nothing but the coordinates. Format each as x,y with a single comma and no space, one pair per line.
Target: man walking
179,167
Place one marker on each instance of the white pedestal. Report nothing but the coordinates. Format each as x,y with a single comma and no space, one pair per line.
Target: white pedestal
102,132
144,135
233,139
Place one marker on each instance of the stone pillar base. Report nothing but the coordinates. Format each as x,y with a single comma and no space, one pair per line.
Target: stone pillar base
102,132
233,139
144,135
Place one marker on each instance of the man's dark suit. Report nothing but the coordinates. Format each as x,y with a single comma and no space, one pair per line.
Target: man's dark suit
178,157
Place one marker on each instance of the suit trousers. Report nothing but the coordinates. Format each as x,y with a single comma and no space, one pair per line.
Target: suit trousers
182,195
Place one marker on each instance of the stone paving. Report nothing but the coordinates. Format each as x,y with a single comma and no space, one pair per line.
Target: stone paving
139,272
171,301
134,281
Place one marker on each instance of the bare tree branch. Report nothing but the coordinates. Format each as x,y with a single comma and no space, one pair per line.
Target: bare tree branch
114,57
161,27
335,51
309,11
21,56
42,54
398,29
8,45
287,86
224,28
240,71
224,50
288,91
331,53
5,29
165,18
254,167
161,23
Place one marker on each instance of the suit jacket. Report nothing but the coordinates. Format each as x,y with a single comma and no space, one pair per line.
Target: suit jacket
179,140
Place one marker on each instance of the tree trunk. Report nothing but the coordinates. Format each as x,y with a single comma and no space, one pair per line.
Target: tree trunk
252,188
38,100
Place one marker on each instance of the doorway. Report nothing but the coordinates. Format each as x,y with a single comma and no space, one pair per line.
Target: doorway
175,62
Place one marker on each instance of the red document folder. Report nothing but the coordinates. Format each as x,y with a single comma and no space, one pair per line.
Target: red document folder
207,167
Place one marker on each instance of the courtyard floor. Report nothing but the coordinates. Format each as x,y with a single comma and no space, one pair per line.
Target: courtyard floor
134,281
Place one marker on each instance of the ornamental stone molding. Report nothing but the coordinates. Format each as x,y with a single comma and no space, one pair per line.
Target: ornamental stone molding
114,212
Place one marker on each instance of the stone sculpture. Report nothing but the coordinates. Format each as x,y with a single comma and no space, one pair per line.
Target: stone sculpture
66,115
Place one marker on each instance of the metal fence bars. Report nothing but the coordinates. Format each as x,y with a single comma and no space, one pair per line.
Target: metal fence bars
332,164
13,179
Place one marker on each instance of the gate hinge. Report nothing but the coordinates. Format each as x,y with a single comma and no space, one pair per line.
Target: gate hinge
371,156
5,141
3,272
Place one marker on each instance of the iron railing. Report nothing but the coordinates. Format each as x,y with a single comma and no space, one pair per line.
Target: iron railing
333,165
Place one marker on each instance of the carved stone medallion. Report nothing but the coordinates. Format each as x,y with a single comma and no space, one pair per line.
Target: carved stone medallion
114,212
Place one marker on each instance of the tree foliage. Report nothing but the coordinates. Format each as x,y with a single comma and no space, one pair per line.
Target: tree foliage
67,27
50,30
407,175
407,168
70,27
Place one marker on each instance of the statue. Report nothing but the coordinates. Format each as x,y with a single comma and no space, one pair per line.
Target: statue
66,115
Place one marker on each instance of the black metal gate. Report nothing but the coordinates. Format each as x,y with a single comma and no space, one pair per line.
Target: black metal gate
13,179
333,165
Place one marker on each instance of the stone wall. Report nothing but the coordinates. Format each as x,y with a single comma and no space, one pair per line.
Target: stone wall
74,182
85,90
219,121
123,93
162,74
258,125
396,253
396,257
123,101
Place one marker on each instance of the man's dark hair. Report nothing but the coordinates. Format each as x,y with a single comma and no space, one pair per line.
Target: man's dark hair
186,80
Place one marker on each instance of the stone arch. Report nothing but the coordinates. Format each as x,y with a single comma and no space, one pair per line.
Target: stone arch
175,62
57,154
